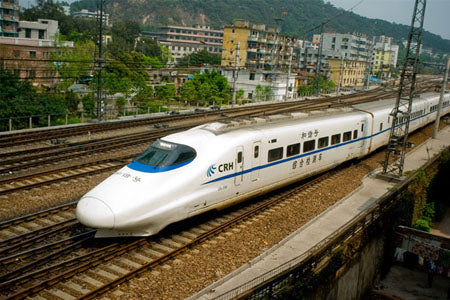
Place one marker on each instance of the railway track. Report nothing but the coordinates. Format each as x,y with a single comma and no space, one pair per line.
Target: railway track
112,262
24,137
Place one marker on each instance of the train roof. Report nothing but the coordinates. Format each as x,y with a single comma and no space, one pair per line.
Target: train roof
218,128
222,127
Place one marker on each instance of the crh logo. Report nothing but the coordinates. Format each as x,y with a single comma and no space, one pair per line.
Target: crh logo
221,168
211,170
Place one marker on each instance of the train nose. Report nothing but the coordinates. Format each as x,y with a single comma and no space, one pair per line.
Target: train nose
95,213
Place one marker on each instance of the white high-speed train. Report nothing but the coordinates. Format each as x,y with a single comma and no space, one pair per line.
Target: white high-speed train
218,164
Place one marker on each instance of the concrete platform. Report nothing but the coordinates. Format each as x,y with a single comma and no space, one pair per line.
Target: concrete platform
297,245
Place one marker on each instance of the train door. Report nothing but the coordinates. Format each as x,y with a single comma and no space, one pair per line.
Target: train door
239,165
254,175
363,130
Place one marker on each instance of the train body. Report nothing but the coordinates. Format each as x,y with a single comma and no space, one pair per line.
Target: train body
215,165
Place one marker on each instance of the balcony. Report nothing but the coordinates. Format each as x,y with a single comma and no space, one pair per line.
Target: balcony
10,18
10,29
9,5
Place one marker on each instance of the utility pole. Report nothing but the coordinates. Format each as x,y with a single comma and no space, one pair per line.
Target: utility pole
235,74
99,61
340,75
441,99
402,111
319,56
288,75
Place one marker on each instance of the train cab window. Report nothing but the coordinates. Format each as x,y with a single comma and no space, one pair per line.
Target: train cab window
335,139
362,127
292,150
239,157
347,136
355,134
381,126
323,142
256,152
275,154
309,146
163,154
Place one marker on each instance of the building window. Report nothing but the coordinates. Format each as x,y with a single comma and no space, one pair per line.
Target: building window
250,95
41,34
32,73
27,33
16,53
32,53
252,76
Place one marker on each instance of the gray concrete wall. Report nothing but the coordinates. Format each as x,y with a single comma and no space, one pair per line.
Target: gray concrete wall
355,278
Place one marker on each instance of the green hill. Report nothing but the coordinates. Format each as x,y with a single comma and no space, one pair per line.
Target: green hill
302,16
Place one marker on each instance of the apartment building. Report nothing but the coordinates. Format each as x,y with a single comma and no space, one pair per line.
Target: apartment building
353,46
28,54
261,47
350,73
182,40
29,59
9,18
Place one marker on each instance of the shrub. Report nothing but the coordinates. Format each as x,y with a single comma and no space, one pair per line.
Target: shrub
423,225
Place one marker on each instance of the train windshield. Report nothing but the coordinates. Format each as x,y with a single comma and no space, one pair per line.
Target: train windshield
164,154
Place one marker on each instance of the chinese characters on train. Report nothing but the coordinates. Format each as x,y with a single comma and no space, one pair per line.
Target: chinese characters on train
127,175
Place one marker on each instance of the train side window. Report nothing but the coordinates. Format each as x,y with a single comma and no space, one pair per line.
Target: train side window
336,139
256,152
323,142
292,149
355,134
309,146
275,154
239,157
381,126
347,136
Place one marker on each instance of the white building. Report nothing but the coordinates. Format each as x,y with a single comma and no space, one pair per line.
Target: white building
248,80
386,43
43,29
84,13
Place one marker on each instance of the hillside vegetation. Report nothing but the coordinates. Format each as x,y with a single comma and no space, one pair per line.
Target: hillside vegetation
302,16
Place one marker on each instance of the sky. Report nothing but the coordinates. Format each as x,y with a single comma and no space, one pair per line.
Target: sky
437,19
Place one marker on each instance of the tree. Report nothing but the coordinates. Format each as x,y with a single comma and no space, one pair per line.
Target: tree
143,95
71,101
124,33
199,58
20,99
73,64
188,91
165,92
208,86
240,94
259,92
149,47
88,104
120,103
